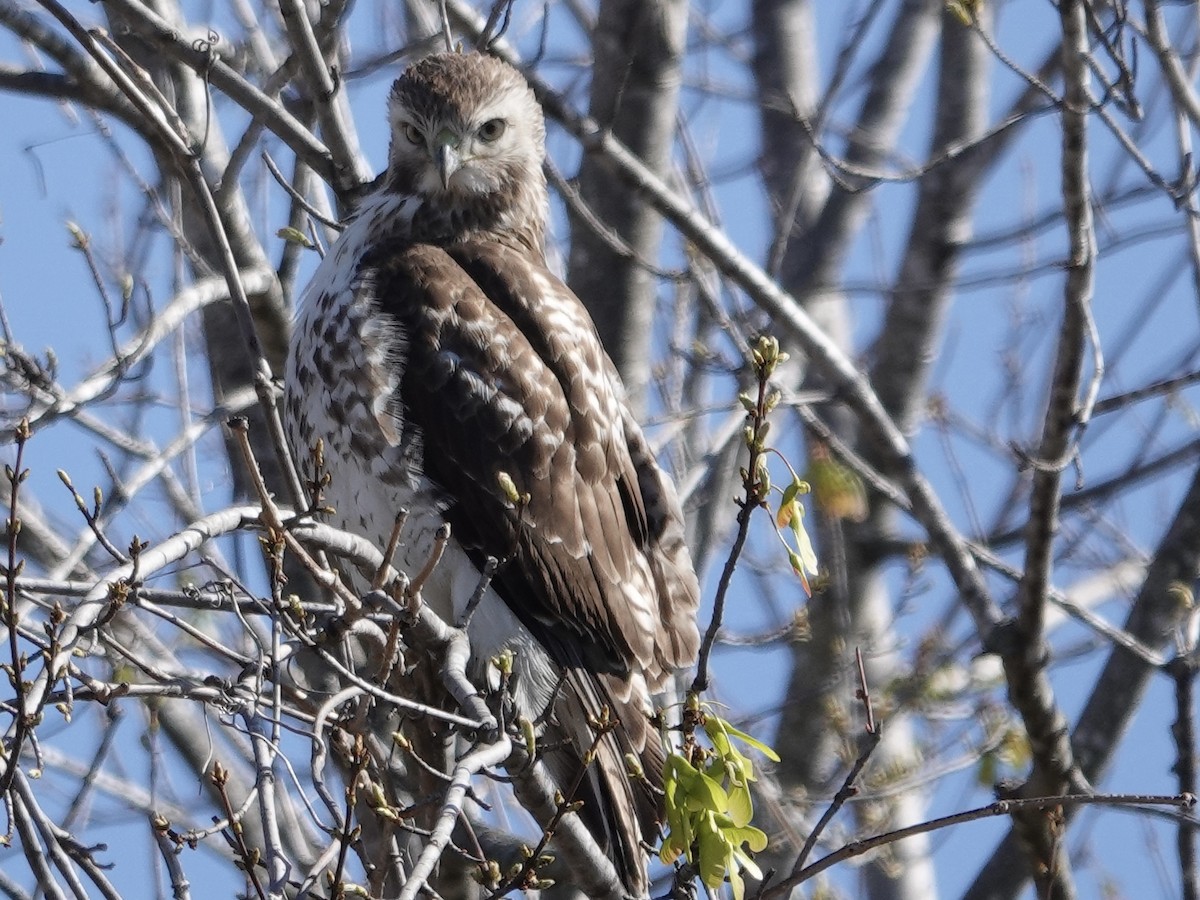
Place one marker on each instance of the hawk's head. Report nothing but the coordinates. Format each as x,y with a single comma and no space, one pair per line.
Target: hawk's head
467,132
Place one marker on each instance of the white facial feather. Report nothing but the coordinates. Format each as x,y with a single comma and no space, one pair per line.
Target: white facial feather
484,164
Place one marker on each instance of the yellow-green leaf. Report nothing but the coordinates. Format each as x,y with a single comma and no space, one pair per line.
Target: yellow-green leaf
754,838
714,852
787,512
741,806
752,741
295,236
508,487
838,490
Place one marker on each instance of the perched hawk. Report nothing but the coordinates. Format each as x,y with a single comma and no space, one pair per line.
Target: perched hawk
443,363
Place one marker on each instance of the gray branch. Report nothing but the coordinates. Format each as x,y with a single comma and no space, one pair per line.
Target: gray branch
638,48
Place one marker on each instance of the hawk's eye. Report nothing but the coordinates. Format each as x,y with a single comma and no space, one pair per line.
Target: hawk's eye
492,129
412,134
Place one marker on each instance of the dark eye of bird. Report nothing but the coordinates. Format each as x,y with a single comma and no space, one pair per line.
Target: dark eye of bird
492,129
412,134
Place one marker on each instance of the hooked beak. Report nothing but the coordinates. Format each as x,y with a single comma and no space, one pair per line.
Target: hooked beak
447,156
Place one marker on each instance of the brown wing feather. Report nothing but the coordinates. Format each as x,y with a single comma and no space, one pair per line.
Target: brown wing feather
504,373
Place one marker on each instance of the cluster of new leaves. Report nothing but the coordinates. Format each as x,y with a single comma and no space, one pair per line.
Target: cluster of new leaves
708,803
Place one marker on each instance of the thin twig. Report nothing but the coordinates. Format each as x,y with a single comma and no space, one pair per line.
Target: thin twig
447,34
272,113
219,778
999,808
441,539
358,764
864,693
1182,670
766,357
167,128
867,745
300,199
525,877
389,551
23,715
169,851
485,580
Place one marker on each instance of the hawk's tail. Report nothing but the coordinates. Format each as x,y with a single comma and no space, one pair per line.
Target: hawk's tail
622,812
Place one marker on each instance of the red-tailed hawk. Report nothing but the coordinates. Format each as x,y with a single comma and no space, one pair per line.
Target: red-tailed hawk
437,356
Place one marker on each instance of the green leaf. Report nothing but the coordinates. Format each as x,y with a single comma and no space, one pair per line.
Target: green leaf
706,793
787,503
986,773
752,741
837,489
741,806
508,487
714,852
966,11
717,730
737,887
804,544
674,846
295,236
753,837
